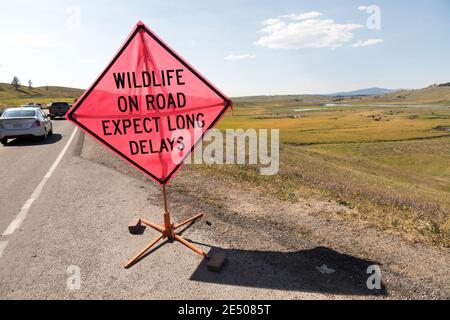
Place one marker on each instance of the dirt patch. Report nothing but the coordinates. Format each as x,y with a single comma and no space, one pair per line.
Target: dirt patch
442,128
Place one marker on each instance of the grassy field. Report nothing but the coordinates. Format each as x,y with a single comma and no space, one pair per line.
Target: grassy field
10,97
389,163
340,124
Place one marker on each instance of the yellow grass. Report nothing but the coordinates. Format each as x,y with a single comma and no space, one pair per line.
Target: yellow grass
390,164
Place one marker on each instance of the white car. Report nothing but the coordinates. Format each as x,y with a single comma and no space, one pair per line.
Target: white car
24,122
32,105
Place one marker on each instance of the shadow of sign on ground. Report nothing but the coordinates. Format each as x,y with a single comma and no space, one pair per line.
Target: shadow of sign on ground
293,271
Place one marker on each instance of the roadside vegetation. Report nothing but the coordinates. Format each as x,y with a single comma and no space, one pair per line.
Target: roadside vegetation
389,164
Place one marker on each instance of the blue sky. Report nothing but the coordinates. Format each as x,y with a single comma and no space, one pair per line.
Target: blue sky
245,47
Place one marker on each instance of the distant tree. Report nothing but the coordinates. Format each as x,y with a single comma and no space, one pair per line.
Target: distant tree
15,83
30,84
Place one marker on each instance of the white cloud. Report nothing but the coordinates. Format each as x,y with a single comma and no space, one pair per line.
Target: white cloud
303,16
368,42
296,31
237,57
271,21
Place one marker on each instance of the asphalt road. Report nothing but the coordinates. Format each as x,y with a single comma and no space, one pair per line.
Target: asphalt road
76,224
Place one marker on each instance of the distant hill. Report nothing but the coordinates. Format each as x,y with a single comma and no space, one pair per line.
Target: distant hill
435,94
12,97
362,92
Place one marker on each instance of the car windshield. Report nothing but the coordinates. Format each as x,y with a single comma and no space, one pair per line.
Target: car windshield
60,104
18,113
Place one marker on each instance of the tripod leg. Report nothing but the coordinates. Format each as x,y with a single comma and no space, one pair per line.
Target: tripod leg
152,225
198,216
190,246
140,254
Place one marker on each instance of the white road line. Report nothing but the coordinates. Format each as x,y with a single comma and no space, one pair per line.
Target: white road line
3,245
26,207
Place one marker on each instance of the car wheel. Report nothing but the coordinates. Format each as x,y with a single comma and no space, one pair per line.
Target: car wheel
4,141
45,136
52,117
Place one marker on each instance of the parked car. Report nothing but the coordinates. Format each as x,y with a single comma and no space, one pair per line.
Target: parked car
24,122
58,109
32,105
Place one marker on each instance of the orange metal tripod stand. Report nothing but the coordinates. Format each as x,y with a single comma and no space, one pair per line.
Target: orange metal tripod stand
168,231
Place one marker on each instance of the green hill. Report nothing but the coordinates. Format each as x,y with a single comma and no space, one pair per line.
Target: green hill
10,97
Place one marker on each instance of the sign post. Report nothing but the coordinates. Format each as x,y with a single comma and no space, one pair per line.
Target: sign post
151,108
168,231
